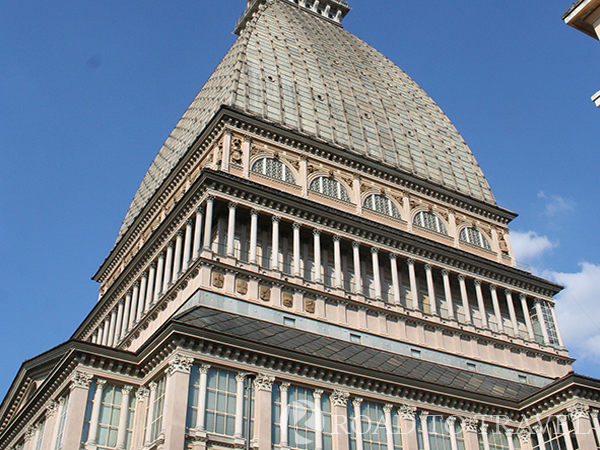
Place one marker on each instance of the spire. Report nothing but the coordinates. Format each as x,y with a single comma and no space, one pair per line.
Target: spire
334,10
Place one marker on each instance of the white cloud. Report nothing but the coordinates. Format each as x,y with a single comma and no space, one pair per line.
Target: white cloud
578,311
528,245
556,204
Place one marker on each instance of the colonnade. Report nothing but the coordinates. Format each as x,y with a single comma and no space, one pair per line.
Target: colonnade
396,280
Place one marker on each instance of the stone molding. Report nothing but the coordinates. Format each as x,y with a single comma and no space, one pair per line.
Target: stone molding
82,380
578,411
339,398
142,393
407,412
264,382
470,425
179,363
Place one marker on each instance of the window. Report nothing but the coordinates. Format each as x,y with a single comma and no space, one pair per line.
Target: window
426,219
110,411
220,402
554,437
550,325
158,409
273,168
382,205
39,437
439,433
373,427
474,237
499,440
329,187
61,422
193,391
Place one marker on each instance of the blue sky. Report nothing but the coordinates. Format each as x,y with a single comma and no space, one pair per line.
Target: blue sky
89,91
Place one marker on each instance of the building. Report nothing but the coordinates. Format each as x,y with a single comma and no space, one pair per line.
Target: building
584,15
313,261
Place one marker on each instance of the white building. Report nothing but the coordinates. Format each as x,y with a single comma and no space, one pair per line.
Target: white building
313,261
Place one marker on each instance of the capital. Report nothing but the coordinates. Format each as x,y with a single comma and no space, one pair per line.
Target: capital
51,409
477,283
407,412
374,250
509,432
461,278
233,205
136,284
339,398
284,387
204,368
153,386
316,232
296,226
336,238
171,244
179,363
276,219
100,384
241,377
126,390
492,288
82,380
29,433
563,419
484,428
445,273
264,382
387,408
357,402
180,233
451,421
145,275
469,424
254,212
428,267
142,393
594,413
524,435
318,393
153,265
210,198
578,411
190,222
523,297
393,257
410,262
537,428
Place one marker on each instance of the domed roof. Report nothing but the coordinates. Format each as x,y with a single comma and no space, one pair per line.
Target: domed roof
296,68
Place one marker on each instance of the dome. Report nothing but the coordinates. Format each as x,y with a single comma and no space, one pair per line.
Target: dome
295,68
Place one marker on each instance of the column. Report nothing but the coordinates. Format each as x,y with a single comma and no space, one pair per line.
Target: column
389,429
283,424
304,175
122,432
540,315
408,426
29,440
113,327
317,242
201,416
469,426
126,311
480,304
150,288
263,385
339,420
80,386
525,439
512,312
231,230
395,279
425,429
406,204
539,432
318,394
208,223
556,327
296,270
226,151
448,294
142,299
451,422
595,422
54,411
564,427
376,274
431,289
239,406
160,270
358,423
509,437
414,292
119,322
178,256
337,261
134,303
187,247
150,416
465,298
95,417
275,243
528,323
497,311
176,396
246,148
253,235
357,274
484,436
168,266
580,416
106,333
198,233
141,404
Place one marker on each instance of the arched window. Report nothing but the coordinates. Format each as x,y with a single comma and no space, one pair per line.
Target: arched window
474,237
274,168
426,219
330,187
382,205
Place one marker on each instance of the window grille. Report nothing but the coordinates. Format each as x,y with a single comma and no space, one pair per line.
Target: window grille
329,187
381,204
61,426
553,436
220,402
373,428
474,237
430,221
439,433
273,168
550,325
158,408
499,440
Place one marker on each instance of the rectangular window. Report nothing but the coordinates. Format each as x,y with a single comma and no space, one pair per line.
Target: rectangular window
220,403
61,423
498,440
158,408
39,436
438,432
554,437
110,413
192,410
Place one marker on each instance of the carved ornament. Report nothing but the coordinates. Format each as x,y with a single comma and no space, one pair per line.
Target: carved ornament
179,363
264,382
